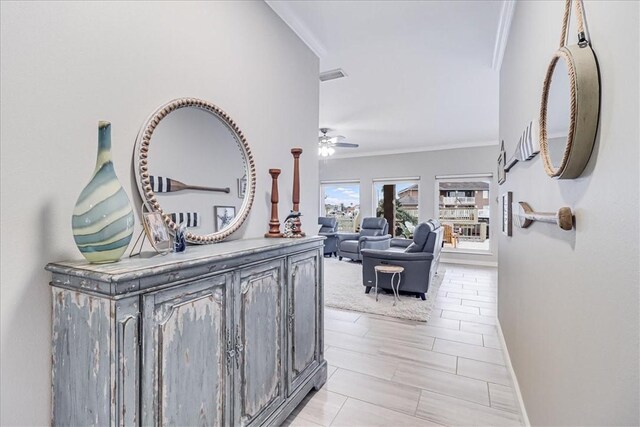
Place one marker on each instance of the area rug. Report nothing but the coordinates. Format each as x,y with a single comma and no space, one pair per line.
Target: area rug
343,289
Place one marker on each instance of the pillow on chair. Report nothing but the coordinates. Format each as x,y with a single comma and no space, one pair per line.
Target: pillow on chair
420,235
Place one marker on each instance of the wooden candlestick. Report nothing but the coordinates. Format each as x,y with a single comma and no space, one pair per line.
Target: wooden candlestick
274,223
296,188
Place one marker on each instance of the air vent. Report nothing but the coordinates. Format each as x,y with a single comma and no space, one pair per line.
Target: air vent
338,73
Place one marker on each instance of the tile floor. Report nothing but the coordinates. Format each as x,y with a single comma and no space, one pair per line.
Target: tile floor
391,372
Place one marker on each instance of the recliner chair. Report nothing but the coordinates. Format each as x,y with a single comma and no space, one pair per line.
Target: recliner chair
329,230
372,235
419,257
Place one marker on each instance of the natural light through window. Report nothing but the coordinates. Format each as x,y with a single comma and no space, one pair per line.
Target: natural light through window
405,210
342,200
463,208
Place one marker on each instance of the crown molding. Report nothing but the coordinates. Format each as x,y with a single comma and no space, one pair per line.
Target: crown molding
414,150
284,11
502,35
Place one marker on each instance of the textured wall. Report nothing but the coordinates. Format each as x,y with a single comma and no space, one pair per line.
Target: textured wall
425,165
568,301
67,65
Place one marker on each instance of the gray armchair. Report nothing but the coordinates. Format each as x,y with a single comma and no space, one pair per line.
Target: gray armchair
419,257
372,235
329,230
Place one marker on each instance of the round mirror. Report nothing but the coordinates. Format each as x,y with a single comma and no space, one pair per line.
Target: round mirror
194,166
569,111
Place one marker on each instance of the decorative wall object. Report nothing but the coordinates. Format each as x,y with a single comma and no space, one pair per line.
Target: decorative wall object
570,106
157,231
507,200
563,218
242,186
274,223
102,220
161,184
502,174
223,216
526,149
161,144
296,189
190,219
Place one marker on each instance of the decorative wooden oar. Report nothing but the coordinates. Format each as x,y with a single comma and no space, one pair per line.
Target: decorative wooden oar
526,216
167,185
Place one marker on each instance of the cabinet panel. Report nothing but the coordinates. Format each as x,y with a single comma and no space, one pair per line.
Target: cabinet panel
128,361
303,322
187,378
259,342
81,359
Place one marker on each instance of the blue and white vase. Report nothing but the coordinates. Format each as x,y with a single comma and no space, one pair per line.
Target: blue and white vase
103,220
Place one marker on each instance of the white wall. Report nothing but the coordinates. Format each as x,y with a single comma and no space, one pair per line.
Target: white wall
67,65
568,301
426,165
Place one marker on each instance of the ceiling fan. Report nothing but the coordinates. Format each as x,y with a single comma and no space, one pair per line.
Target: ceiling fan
327,144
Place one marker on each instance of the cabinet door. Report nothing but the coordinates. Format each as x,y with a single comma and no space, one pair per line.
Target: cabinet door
304,317
187,375
259,323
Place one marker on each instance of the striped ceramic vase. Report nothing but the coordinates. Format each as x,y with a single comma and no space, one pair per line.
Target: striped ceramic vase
102,220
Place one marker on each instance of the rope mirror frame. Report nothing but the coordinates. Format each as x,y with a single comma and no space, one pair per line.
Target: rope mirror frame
149,199
584,79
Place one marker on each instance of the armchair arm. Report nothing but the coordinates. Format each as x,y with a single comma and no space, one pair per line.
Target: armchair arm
397,256
375,242
375,238
403,243
348,236
328,234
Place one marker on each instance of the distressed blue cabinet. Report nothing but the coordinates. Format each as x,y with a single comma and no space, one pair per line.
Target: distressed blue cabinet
227,334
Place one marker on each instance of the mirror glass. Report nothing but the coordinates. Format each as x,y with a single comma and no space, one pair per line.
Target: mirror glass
558,112
195,167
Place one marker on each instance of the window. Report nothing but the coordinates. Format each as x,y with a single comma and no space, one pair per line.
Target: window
463,208
404,194
341,200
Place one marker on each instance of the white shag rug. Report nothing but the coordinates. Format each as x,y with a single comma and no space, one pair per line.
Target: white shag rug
343,289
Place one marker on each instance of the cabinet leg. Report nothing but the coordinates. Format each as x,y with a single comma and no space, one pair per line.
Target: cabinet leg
423,296
367,289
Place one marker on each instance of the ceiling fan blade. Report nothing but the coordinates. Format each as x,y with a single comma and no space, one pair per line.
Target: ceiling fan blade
345,144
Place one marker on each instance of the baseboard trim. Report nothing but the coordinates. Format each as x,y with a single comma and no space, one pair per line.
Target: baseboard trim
516,386
469,262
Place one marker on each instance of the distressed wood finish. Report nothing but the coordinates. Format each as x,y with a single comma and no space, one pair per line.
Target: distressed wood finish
303,321
185,379
81,377
260,342
229,334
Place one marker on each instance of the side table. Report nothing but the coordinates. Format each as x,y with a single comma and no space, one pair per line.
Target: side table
393,270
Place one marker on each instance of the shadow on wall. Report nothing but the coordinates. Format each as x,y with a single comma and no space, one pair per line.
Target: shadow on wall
34,303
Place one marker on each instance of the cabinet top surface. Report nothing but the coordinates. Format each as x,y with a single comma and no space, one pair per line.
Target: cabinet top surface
194,255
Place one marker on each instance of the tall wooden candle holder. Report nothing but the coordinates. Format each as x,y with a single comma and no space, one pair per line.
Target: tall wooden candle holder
296,189
274,223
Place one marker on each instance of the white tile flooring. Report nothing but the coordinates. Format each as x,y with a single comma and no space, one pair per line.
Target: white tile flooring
391,372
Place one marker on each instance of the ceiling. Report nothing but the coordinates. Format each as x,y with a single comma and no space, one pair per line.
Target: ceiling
422,75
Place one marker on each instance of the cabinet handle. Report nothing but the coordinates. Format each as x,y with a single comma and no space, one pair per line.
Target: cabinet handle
292,315
231,353
239,348
295,271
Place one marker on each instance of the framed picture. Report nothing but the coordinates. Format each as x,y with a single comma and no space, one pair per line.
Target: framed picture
507,200
157,231
502,163
223,216
242,187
